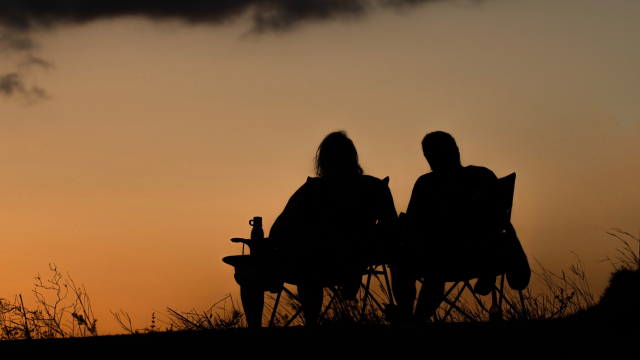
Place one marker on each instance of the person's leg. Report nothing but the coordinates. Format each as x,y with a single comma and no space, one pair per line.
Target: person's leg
404,290
253,303
431,296
311,297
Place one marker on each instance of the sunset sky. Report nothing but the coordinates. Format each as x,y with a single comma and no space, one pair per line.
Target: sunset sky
159,141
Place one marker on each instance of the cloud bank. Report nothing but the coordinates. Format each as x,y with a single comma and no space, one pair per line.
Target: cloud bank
20,18
266,14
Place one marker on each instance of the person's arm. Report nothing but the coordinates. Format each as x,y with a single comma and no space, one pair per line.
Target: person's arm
415,212
388,217
288,219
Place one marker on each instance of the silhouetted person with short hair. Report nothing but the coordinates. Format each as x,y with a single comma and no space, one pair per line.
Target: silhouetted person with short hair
326,233
447,227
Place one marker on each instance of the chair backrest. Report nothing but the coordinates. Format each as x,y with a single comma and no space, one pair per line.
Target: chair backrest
505,189
337,213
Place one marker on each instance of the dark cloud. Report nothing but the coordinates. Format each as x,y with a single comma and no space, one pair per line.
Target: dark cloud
267,14
20,43
14,41
30,61
10,83
19,18
13,84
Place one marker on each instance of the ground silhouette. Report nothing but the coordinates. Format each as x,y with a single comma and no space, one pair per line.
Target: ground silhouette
608,330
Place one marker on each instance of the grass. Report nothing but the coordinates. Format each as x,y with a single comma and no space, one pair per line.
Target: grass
552,296
626,258
558,296
64,309
340,312
224,314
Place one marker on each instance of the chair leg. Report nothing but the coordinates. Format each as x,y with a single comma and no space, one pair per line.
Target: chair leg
297,312
366,297
501,292
293,317
410,297
453,287
445,296
386,290
373,299
476,297
504,298
339,301
457,308
326,309
386,279
290,293
275,309
451,306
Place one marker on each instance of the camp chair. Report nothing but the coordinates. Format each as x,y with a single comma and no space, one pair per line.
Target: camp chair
504,197
317,196
375,271
368,297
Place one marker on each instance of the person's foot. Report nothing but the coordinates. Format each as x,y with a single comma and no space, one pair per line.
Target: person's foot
392,313
350,291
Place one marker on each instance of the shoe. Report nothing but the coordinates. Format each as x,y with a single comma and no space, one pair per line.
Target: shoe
391,313
349,292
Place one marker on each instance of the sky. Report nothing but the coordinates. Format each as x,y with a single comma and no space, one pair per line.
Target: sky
153,143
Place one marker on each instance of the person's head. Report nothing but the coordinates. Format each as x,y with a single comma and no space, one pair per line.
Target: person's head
441,151
337,156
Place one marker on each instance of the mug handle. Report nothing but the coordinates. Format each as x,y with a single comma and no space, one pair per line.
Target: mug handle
251,222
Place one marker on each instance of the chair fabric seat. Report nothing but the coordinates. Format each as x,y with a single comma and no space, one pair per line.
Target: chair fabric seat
489,258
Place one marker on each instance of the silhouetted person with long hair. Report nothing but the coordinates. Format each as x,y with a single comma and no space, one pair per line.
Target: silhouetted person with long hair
328,231
446,229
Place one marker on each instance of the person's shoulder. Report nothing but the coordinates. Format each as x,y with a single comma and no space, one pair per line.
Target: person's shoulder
425,181
313,183
310,182
425,178
480,171
372,180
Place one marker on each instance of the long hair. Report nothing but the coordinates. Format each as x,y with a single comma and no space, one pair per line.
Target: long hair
337,157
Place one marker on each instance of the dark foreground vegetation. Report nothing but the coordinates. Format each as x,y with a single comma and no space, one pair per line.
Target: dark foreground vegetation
562,320
580,337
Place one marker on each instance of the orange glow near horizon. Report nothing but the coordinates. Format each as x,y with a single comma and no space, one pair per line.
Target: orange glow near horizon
161,142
